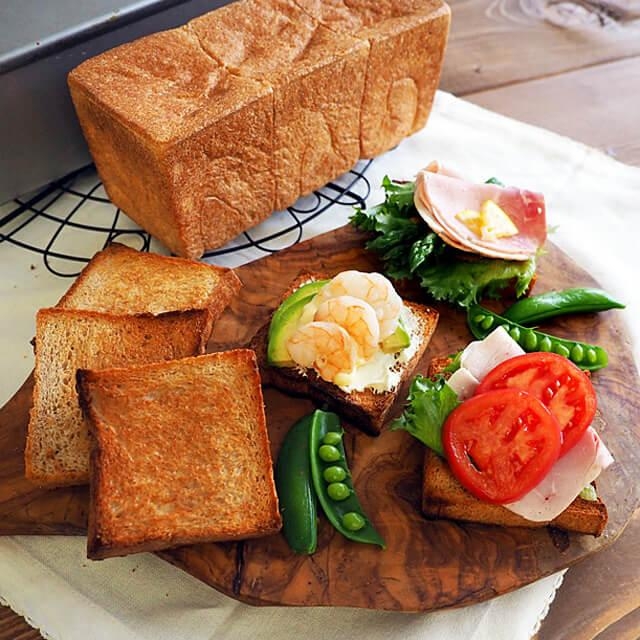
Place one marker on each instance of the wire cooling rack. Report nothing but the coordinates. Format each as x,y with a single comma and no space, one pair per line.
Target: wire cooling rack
71,219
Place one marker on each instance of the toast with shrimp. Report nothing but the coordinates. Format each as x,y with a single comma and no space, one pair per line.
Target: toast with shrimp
180,454
444,497
328,367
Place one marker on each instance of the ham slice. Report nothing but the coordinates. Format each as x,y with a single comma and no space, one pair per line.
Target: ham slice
572,472
440,196
479,357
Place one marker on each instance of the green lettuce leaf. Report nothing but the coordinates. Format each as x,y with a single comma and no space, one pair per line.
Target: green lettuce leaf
408,248
429,403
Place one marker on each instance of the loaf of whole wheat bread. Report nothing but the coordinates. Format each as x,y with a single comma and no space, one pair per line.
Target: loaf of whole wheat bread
57,448
180,454
201,132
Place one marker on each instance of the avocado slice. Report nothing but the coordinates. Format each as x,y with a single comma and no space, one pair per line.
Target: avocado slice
285,321
398,340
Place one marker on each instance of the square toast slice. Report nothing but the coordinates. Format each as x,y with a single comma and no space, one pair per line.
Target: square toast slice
367,409
121,280
180,454
57,448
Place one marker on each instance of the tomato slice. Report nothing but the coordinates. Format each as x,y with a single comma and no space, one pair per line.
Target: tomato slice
501,444
557,383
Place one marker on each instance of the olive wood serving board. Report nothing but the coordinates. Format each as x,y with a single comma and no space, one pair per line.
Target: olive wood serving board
427,564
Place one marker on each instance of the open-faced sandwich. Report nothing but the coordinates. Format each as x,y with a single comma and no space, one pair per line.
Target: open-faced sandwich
510,438
349,341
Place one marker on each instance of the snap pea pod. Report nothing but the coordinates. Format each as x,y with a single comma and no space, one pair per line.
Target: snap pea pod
482,322
556,303
296,495
332,481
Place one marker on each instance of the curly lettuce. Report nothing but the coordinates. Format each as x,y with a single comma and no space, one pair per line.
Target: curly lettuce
408,248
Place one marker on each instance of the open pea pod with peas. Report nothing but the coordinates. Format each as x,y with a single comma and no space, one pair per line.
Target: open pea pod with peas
590,357
312,468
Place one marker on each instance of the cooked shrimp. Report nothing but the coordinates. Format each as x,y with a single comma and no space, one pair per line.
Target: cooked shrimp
373,288
357,317
325,346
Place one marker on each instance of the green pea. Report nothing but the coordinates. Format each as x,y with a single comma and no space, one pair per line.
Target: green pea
591,356
334,474
487,323
332,437
577,353
338,491
562,350
545,344
514,332
329,453
353,521
478,318
529,341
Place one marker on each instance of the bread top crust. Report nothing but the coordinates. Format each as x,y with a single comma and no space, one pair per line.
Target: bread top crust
164,86
365,18
181,452
270,41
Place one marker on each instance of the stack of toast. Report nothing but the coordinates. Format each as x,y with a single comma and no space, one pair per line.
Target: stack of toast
150,422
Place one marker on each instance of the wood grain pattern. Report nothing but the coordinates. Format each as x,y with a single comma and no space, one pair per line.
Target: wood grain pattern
494,43
589,113
612,580
428,564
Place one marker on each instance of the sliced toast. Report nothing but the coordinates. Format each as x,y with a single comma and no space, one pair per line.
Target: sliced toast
121,280
444,497
367,409
180,454
57,449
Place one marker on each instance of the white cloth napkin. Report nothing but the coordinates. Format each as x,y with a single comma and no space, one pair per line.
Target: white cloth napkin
593,202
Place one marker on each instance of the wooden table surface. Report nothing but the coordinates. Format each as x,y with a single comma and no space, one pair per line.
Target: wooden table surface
572,68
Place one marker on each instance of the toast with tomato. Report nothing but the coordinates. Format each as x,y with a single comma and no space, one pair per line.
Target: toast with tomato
444,497
510,438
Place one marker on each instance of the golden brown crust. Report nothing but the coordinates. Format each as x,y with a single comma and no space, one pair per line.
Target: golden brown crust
407,40
317,78
444,497
122,280
162,120
367,409
200,132
180,454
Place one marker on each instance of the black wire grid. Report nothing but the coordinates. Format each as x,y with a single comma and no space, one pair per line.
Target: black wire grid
75,220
